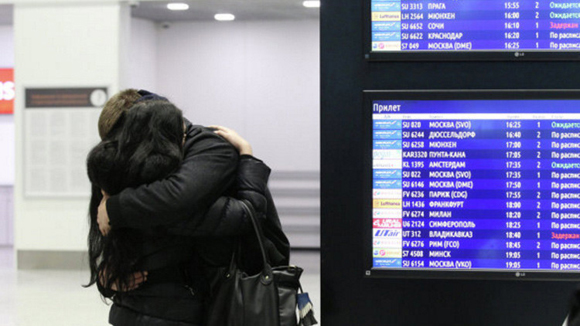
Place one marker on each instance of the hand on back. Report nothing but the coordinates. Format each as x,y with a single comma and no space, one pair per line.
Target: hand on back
235,139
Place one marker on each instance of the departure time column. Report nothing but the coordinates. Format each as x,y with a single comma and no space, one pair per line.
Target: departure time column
512,16
513,193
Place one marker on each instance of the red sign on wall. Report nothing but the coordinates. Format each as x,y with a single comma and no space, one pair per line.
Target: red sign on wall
7,91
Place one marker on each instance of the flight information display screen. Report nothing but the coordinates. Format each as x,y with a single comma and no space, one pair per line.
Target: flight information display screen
487,184
518,27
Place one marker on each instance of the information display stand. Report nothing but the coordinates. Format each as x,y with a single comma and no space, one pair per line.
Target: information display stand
475,183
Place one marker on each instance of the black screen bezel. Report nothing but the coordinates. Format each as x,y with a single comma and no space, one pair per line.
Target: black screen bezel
373,95
476,55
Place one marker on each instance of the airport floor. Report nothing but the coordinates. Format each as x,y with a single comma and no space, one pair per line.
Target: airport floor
56,297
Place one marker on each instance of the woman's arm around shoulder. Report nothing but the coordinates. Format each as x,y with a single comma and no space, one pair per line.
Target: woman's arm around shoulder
227,217
207,170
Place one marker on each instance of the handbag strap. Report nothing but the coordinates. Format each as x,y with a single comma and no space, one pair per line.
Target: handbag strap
247,206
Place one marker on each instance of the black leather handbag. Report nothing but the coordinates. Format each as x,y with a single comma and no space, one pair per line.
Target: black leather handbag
268,298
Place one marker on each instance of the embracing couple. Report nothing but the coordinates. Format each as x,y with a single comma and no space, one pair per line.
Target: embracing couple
167,210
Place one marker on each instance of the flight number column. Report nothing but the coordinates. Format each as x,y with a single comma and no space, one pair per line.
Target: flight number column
413,194
412,25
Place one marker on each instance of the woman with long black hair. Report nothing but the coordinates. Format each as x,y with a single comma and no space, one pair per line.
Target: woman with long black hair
156,275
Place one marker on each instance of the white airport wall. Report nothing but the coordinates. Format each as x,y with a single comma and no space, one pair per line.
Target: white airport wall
60,46
142,66
260,78
7,159
6,46
7,144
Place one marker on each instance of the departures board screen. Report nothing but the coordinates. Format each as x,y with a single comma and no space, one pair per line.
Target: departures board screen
474,181
518,30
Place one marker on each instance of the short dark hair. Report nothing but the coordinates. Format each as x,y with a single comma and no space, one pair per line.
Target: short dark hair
114,109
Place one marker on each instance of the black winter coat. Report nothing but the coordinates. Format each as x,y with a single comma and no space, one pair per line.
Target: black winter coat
188,224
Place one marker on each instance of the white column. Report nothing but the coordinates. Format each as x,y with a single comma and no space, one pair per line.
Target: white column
61,44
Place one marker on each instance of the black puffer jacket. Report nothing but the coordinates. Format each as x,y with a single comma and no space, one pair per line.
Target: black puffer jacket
176,288
574,313
176,243
207,172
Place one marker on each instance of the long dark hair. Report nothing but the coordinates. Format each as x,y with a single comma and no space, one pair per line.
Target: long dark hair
144,146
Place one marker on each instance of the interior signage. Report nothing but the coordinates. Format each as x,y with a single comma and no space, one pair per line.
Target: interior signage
72,97
7,90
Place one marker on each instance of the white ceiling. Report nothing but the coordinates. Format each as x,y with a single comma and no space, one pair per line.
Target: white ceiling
244,10
204,10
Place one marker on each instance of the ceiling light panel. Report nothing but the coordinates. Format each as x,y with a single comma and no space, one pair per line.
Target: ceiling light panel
311,4
224,17
177,6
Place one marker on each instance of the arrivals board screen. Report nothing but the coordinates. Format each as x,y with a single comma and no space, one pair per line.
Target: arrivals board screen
410,29
474,181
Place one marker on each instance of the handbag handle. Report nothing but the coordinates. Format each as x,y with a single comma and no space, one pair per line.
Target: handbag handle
247,206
